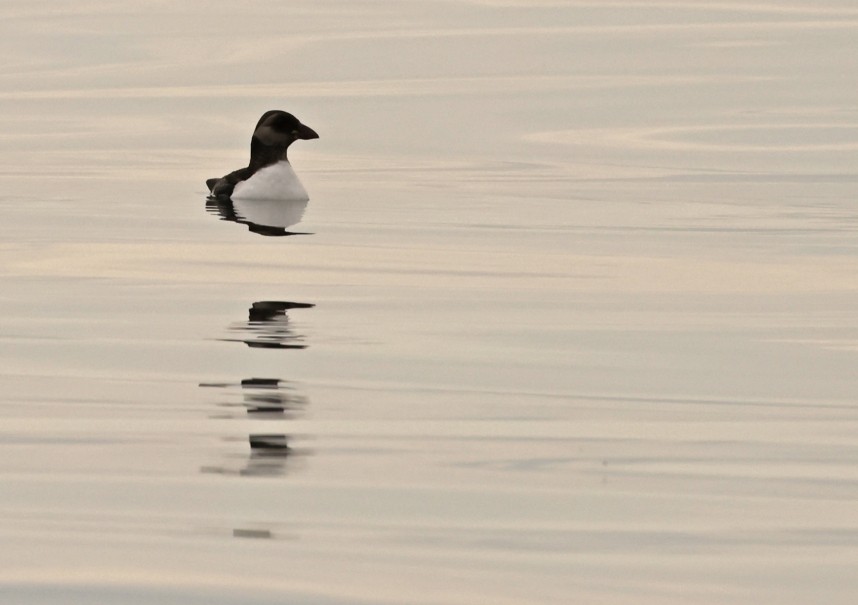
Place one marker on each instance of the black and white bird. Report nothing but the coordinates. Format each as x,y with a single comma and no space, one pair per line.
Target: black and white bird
269,175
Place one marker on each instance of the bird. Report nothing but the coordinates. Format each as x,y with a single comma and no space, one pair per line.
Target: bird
268,175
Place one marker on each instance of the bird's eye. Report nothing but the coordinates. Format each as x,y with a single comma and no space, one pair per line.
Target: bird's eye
294,133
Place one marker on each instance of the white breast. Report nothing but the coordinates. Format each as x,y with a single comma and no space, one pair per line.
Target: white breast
275,182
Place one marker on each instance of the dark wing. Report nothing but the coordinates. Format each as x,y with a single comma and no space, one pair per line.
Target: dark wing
222,188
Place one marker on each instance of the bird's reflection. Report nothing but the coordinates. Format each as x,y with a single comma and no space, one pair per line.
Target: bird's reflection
267,399
261,398
271,454
268,326
265,217
268,454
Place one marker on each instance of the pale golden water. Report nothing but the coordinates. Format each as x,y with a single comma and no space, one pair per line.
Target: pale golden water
570,316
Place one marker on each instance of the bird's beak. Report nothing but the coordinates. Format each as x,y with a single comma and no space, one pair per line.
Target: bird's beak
305,132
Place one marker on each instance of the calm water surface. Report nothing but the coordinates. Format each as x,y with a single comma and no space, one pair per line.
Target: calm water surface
570,316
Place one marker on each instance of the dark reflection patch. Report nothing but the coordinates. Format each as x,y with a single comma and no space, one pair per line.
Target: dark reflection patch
269,326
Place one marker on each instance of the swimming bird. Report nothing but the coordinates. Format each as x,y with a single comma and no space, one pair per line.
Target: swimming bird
269,175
